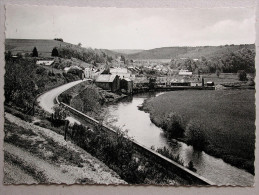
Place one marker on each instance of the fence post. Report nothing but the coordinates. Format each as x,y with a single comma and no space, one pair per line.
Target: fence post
66,128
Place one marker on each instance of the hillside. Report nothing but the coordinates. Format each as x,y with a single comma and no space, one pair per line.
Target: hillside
128,51
44,46
188,52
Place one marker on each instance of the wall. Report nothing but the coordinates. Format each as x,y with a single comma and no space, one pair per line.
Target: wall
183,172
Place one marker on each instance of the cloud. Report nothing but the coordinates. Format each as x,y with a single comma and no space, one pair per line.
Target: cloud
116,28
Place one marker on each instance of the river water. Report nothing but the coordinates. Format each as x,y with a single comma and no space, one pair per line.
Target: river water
127,116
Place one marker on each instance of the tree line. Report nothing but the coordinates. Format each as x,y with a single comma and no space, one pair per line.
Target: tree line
232,62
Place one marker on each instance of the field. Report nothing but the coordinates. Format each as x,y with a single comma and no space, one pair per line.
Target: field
224,78
228,117
43,46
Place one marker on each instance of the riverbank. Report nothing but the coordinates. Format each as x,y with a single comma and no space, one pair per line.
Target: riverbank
224,115
89,99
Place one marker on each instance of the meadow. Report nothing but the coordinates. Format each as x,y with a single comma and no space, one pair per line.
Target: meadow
227,116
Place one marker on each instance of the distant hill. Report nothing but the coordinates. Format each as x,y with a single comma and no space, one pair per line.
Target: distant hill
128,51
188,52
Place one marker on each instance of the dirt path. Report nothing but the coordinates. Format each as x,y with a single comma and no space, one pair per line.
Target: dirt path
39,155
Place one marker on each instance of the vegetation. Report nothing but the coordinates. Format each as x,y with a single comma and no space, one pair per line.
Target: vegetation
229,118
54,52
166,152
34,52
88,55
242,75
196,135
188,52
230,62
24,80
173,125
119,154
58,39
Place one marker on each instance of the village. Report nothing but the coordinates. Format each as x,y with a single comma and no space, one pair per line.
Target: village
128,79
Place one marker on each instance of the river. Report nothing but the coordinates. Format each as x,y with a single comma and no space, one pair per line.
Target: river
127,116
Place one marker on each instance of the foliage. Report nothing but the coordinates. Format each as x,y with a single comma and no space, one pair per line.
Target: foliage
34,52
195,134
242,75
24,81
59,112
54,52
173,125
166,152
119,154
88,55
59,39
228,62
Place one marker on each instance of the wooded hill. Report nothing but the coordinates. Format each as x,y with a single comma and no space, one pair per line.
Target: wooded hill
188,52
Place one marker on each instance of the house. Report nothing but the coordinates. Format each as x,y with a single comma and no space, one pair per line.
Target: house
45,62
185,72
67,69
88,73
127,85
140,82
108,82
121,72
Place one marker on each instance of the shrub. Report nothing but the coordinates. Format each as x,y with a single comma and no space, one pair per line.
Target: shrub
167,153
173,125
195,134
40,70
242,75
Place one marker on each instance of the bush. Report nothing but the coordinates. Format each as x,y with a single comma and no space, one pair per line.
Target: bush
195,135
40,70
242,75
65,98
173,125
166,152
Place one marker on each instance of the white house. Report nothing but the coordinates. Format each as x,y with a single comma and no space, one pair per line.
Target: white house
45,62
185,72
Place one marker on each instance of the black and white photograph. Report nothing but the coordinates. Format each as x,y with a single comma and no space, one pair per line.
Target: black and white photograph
129,96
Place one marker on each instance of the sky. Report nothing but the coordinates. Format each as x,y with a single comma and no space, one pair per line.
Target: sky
132,28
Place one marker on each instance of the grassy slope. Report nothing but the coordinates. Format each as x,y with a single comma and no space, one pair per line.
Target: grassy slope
229,118
184,52
44,46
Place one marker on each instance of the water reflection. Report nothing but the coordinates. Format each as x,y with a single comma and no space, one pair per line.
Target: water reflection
127,116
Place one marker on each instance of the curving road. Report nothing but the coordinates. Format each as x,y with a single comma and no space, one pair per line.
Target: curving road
46,100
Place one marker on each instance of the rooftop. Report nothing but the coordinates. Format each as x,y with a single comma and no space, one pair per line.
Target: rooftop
108,78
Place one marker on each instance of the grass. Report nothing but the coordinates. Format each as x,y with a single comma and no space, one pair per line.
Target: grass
228,117
224,78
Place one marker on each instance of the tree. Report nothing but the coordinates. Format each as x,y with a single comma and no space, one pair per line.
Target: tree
54,52
217,73
59,39
173,125
8,55
242,75
123,59
34,52
79,44
195,134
